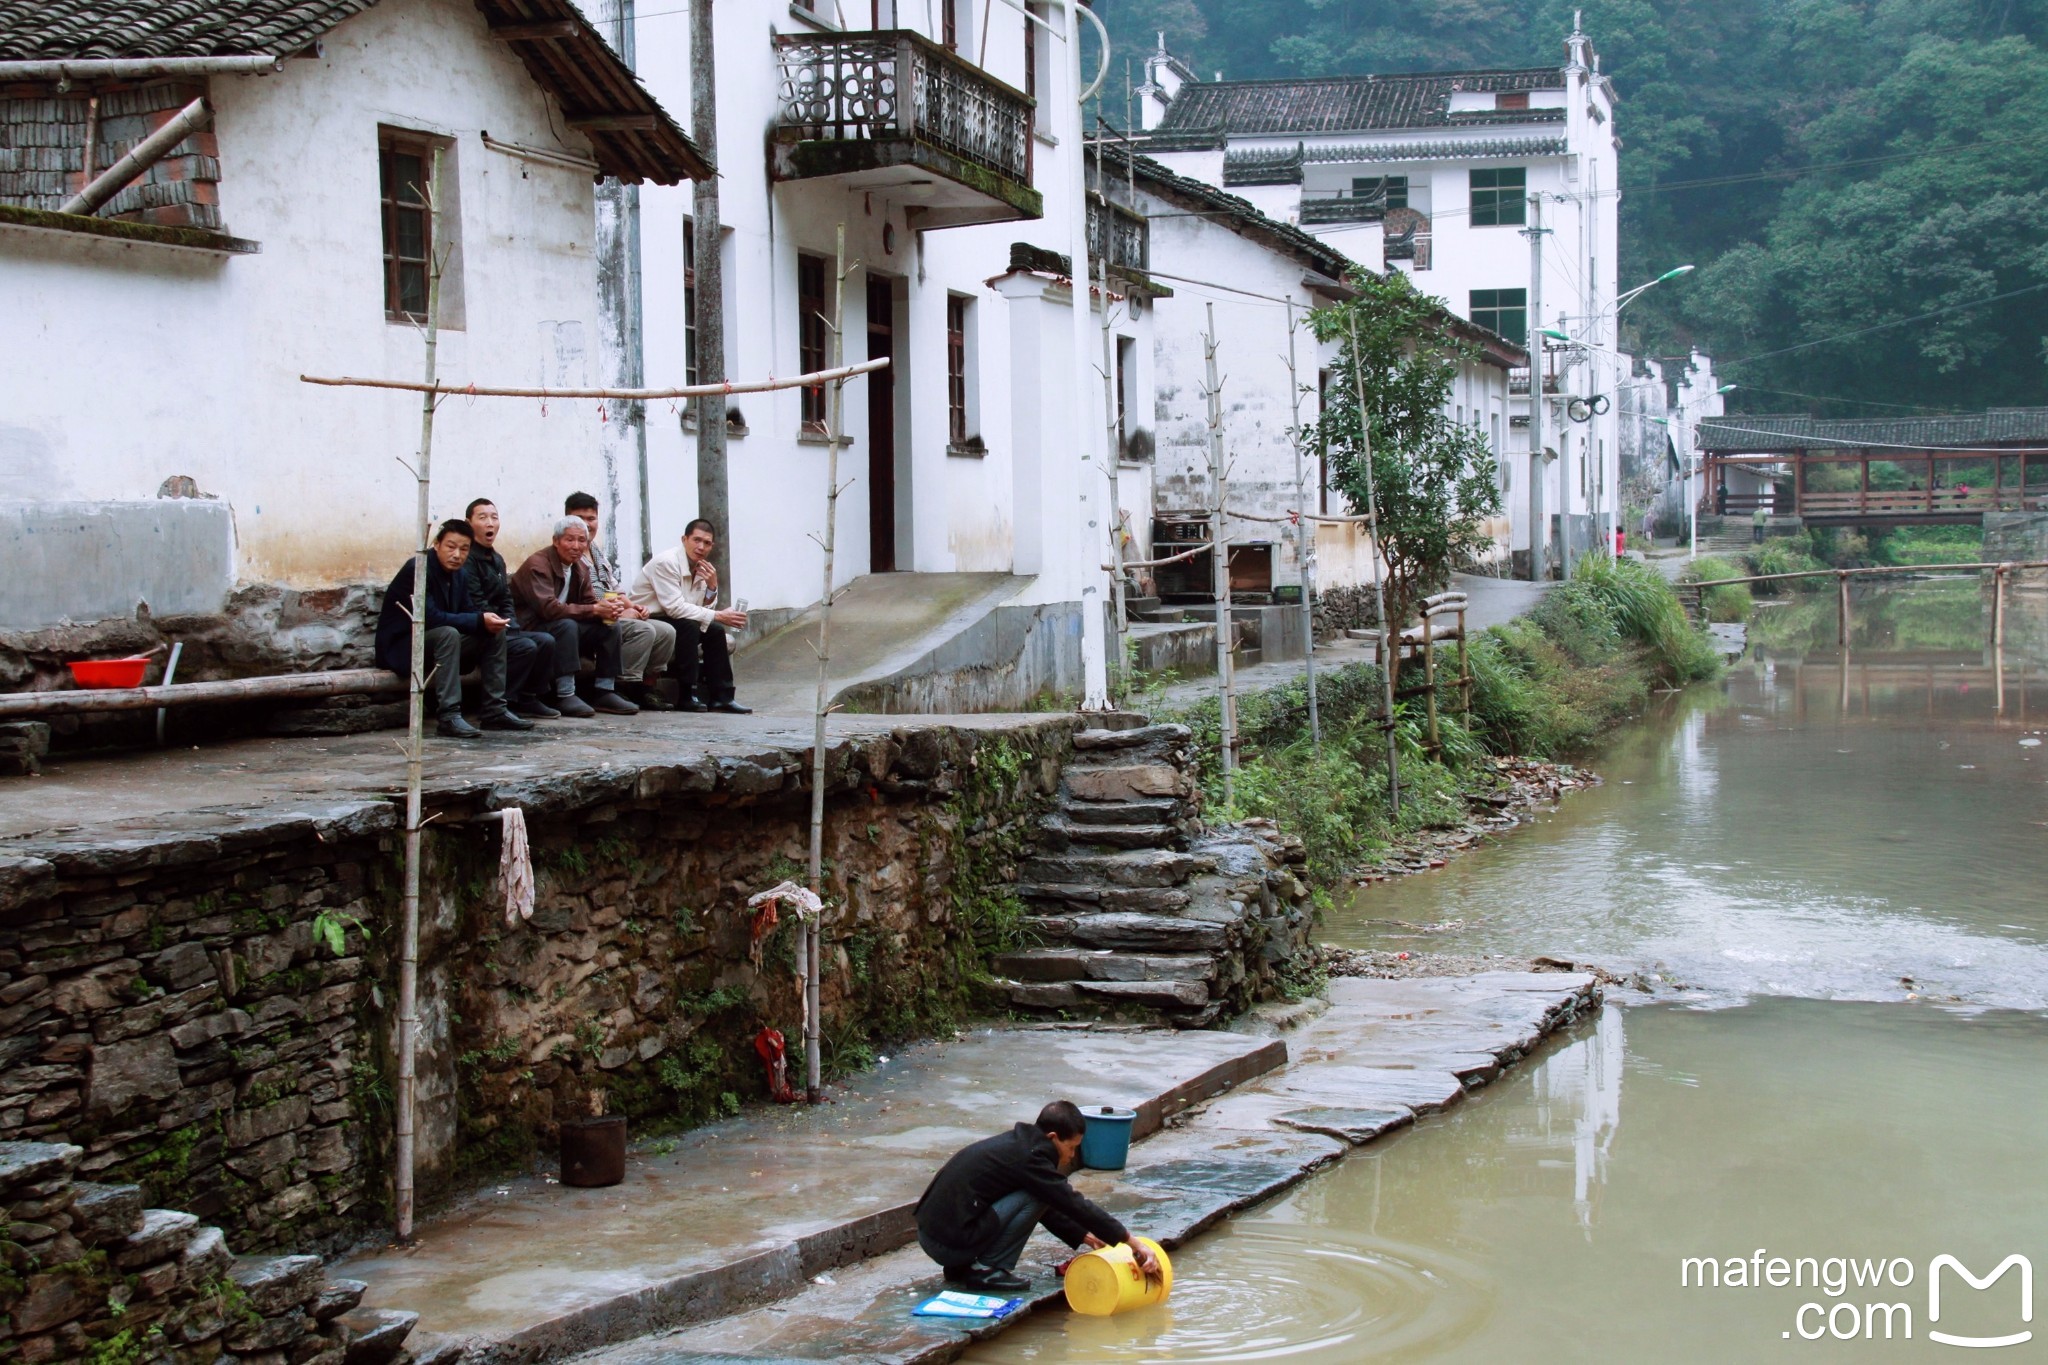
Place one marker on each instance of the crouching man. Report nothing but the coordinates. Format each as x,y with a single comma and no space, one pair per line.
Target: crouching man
981,1207
459,634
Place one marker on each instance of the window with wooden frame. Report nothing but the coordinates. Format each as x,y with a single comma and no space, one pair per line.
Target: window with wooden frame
404,166
956,370
689,301
1500,197
811,335
1518,99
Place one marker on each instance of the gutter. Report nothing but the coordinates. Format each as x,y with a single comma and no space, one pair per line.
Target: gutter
66,70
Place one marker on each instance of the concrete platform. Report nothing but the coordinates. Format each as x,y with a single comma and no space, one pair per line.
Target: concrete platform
751,1209
1363,1065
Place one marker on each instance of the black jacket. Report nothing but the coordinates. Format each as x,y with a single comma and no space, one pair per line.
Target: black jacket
490,582
954,1210
447,605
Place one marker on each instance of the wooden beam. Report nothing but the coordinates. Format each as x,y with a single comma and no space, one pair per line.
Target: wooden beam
290,686
615,123
524,33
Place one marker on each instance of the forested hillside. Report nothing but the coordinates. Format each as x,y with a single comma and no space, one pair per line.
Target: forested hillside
1832,167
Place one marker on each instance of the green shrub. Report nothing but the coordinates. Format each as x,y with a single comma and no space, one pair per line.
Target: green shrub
1786,556
1729,603
1646,610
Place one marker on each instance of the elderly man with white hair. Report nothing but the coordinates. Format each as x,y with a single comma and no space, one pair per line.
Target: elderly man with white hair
554,593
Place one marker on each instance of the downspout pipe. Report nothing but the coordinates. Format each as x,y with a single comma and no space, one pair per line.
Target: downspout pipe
151,149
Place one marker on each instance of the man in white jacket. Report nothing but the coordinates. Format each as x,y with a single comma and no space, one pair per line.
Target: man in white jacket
680,586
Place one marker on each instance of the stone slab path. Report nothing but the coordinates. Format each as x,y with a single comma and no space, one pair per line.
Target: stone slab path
751,1209
1383,1054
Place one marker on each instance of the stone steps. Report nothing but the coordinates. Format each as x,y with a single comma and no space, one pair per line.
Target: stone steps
1060,835
1139,867
1103,964
1155,812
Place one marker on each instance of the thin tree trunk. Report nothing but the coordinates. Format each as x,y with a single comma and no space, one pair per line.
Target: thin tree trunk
1219,557
713,497
1302,552
1390,634
834,411
1119,624
416,740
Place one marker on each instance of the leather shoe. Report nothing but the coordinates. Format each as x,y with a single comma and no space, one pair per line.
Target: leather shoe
648,698
691,702
505,720
533,708
575,707
732,708
988,1281
612,704
455,727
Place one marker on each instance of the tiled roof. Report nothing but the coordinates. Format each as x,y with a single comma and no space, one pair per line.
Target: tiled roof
1266,166
1239,215
1350,104
48,29
1761,433
633,137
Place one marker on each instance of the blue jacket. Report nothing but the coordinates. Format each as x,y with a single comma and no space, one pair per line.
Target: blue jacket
447,605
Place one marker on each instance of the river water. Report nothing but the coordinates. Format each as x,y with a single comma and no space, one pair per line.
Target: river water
1838,883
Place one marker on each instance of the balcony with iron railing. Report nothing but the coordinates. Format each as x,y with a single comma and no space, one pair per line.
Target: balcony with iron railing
1518,382
892,110
1118,235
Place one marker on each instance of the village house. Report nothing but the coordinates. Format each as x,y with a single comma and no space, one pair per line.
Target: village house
946,140
1217,261
158,452
1444,175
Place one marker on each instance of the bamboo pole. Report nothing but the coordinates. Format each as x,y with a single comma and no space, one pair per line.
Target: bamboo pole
768,385
1301,545
1219,563
415,734
1842,609
1119,620
1429,675
1464,668
1389,631
290,686
809,945
1998,633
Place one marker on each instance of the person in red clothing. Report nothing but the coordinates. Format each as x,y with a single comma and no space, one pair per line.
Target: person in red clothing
979,1210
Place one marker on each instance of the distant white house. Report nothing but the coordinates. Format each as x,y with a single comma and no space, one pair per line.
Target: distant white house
154,349
1443,174
1658,409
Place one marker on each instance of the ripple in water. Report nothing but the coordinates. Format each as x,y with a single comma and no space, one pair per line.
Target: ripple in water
1265,1293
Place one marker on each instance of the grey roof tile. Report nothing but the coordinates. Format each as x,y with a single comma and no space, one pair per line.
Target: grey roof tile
49,29
1765,432
1350,104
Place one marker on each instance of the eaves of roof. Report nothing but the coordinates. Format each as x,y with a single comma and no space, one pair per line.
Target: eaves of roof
1765,432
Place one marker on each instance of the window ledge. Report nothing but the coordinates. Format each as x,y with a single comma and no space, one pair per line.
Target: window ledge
1047,138
179,238
817,436
970,449
736,427
814,20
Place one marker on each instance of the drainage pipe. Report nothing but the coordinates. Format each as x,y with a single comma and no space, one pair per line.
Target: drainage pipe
70,69
150,150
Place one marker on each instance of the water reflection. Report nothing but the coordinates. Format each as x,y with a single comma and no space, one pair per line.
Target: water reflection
1776,837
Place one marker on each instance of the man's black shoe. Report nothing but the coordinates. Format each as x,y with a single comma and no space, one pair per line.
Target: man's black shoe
455,727
648,698
987,1281
533,708
505,720
612,704
691,703
732,708
574,707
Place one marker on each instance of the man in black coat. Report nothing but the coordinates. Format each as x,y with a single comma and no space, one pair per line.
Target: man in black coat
458,634
490,587
979,1210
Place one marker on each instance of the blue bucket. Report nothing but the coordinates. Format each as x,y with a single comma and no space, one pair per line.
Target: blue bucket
1106,1141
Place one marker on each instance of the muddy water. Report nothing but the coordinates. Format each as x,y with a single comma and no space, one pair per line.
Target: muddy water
1845,873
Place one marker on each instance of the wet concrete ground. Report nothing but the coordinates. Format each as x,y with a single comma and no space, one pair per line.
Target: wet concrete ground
752,1208
1382,1054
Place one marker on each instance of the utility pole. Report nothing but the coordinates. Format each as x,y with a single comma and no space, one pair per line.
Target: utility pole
1219,563
621,334
1390,631
1118,623
1085,556
1301,550
714,502
1539,531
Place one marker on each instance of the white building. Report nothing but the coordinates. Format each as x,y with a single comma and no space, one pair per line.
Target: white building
155,351
1445,174
1658,410
952,158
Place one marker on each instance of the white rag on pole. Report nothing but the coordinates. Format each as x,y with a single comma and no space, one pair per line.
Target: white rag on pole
515,867
806,906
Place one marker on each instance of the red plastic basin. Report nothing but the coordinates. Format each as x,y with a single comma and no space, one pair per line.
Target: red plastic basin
110,672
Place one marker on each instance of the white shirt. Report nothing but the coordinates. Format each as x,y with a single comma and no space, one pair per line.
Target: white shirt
668,584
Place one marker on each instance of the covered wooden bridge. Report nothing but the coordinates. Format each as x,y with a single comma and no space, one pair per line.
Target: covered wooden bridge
1876,471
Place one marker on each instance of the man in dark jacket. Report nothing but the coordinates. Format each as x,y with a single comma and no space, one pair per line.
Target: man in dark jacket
979,1210
490,587
458,635
554,594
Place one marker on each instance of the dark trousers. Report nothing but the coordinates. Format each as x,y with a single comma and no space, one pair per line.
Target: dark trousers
1018,1214
703,663
575,639
539,677
507,659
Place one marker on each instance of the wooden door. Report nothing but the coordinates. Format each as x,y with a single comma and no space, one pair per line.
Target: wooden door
881,427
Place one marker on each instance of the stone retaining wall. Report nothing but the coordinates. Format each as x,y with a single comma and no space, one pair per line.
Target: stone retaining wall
170,1002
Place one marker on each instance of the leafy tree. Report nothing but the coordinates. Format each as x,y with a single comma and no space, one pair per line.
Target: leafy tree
1433,478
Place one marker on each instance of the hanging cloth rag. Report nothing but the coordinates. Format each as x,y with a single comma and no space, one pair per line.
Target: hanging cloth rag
804,903
515,867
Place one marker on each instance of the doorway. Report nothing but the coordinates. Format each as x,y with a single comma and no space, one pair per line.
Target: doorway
881,426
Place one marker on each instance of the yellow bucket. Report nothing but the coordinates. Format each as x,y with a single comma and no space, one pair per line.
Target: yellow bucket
1108,1280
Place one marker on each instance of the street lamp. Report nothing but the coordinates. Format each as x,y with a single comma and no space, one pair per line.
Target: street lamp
1626,299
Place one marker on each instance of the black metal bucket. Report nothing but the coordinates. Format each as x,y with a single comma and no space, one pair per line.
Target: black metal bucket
594,1151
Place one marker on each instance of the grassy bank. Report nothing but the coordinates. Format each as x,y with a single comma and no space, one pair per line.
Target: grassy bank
1544,686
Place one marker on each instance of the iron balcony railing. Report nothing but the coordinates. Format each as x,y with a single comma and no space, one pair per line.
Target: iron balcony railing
1518,382
1116,233
891,83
